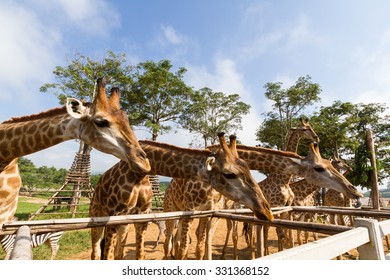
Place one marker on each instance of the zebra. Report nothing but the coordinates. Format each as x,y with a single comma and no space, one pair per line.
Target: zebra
50,238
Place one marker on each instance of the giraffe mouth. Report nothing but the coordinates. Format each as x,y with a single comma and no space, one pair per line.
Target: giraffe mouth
264,216
353,193
264,212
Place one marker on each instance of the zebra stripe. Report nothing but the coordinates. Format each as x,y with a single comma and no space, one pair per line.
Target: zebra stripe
50,238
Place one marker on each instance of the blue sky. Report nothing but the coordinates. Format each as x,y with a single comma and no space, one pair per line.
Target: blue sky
229,46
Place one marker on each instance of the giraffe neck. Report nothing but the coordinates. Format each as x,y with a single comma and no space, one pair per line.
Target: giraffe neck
292,146
303,189
268,160
172,161
293,141
24,136
10,184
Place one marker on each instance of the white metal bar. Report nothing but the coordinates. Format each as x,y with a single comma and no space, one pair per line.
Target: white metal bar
324,249
372,250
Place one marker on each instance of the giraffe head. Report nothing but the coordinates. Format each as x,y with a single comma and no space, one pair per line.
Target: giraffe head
231,176
305,130
104,126
340,164
321,172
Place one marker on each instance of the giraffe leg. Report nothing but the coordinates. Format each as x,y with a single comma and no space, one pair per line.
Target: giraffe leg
169,228
110,238
235,239
140,231
281,238
184,243
96,234
249,238
161,231
299,232
212,226
177,239
266,247
252,241
121,243
201,238
229,226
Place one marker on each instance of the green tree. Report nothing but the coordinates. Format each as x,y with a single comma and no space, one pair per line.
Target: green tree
40,177
79,77
212,112
288,105
157,95
152,94
342,130
333,125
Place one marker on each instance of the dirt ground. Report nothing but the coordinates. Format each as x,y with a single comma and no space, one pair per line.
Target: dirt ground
218,243
157,253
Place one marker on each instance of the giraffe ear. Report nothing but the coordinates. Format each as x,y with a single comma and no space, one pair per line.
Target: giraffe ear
76,108
209,163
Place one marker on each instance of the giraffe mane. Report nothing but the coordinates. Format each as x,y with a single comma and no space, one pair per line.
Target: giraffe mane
270,151
175,148
49,113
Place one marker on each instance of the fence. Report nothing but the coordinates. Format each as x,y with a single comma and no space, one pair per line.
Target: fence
367,236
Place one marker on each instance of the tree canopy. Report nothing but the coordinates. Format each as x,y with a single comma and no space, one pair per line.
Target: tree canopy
342,129
210,112
79,77
156,95
288,105
40,177
152,94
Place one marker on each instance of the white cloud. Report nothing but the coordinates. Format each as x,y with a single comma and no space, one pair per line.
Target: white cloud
28,46
172,44
171,35
281,39
227,79
371,71
92,16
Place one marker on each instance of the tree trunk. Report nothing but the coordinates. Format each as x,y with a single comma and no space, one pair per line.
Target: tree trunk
374,174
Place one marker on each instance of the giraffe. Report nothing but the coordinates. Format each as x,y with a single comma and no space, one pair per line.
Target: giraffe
190,194
101,125
186,195
221,167
10,183
334,198
275,188
313,167
306,193
231,228
119,192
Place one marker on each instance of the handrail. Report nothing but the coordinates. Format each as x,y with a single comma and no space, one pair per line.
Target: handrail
367,237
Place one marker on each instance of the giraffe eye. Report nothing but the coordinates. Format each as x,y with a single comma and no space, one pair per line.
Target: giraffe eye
102,123
319,169
229,175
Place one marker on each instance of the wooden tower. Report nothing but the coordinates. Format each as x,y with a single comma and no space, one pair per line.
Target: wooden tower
77,184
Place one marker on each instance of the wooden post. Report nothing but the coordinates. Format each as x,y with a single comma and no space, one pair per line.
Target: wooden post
260,241
22,247
374,173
